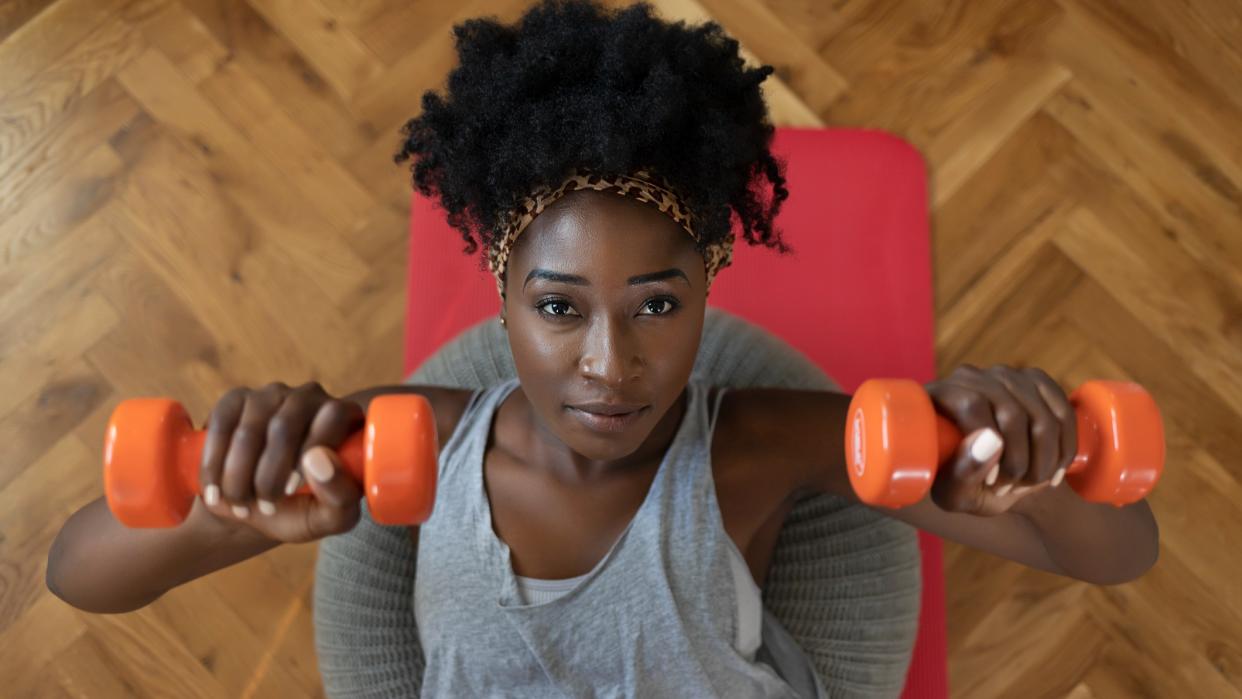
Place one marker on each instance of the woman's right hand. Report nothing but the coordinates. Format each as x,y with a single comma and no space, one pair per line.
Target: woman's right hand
262,444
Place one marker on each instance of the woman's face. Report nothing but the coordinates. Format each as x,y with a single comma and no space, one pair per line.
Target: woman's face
611,335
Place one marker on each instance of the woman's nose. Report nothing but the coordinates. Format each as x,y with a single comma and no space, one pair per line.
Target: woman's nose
611,355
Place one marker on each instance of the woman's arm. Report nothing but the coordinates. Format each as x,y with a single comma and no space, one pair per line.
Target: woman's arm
1052,530
1098,543
99,565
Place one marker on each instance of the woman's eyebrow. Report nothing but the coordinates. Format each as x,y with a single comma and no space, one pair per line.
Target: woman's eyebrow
648,278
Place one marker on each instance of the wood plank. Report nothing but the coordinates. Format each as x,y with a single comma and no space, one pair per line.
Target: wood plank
1040,615
187,43
1144,291
1204,641
257,186
337,54
57,212
802,72
31,517
1186,209
1134,348
86,669
972,138
1192,152
1177,671
306,165
33,360
30,645
934,62
29,109
153,655
1008,208
1021,285
395,95
269,56
783,103
48,35
16,13
221,640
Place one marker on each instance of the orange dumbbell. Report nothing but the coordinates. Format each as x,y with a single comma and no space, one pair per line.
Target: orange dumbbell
152,454
895,442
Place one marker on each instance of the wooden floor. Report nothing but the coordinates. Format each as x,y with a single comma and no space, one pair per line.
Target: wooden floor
198,194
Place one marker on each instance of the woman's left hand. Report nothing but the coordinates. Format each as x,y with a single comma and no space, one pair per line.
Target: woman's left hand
1035,421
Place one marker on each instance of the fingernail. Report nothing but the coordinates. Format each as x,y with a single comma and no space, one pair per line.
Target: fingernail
985,445
267,508
294,482
317,465
212,495
1004,490
241,511
993,474
1056,478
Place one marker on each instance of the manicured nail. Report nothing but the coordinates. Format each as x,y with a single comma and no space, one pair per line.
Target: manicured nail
294,482
1056,478
985,446
267,508
317,465
241,511
1004,490
993,474
212,495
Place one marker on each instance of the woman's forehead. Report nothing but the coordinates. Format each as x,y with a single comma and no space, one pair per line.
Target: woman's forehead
594,209
602,230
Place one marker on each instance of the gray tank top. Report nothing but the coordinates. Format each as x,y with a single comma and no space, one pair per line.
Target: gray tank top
656,617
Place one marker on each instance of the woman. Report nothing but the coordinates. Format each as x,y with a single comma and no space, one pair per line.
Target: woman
557,147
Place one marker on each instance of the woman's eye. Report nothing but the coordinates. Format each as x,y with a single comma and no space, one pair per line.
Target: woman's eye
658,303
553,304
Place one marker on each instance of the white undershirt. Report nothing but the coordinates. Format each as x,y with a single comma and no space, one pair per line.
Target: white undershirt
749,599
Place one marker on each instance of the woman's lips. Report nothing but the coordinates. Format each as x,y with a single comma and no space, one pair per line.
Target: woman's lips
607,423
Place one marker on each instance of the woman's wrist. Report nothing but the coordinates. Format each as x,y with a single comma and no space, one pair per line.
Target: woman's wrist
220,530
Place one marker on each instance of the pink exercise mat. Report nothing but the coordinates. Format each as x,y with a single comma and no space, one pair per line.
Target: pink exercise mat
855,296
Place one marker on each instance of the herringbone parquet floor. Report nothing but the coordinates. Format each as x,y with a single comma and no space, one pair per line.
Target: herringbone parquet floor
198,194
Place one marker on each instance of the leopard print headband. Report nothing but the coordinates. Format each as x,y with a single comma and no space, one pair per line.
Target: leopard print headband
640,185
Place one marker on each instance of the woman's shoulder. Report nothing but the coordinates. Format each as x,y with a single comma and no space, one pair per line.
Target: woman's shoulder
450,404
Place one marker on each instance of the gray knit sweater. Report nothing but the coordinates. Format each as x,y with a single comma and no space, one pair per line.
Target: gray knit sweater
844,580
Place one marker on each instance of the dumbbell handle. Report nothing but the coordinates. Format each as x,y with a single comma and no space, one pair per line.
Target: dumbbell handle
949,439
1120,451
188,454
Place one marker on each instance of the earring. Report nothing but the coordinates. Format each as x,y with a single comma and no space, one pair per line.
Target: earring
502,321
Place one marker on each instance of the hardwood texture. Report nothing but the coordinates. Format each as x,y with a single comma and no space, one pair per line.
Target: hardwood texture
198,194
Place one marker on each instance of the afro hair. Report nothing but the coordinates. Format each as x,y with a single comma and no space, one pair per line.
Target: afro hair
574,84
